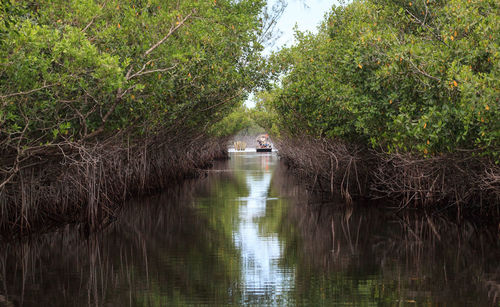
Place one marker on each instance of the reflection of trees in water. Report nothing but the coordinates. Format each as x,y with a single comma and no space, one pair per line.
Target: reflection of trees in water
452,259
414,255
389,257
161,253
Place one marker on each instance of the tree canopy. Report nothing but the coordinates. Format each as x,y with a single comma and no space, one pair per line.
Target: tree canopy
407,76
84,70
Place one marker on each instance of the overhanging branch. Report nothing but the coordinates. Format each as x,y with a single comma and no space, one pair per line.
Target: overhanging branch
170,32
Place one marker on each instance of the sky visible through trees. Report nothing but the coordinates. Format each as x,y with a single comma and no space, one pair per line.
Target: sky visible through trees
306,15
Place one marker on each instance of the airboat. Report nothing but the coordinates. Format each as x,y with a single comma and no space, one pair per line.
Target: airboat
263,144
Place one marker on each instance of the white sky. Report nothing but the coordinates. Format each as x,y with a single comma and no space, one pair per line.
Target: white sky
306,14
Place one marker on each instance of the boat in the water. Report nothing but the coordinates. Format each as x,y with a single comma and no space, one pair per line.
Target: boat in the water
264,149
263,144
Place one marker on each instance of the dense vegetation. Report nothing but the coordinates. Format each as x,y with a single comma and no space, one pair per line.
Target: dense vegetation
92,83
419,78
119,97
74,70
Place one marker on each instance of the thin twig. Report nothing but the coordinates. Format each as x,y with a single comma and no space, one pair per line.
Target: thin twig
26,92
170,32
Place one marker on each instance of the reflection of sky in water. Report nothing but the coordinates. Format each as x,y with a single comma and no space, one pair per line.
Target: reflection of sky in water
261,252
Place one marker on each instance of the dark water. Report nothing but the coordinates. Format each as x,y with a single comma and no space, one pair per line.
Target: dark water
248,234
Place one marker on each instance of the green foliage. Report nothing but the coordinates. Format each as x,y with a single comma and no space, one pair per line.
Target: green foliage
8,11
242,121
78,70
233,123
263,115
418,77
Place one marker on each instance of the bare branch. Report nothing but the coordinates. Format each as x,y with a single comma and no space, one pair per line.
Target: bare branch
7,180
422,72
119,96
141,72
170,32
89,24
126,91
423,24
127,76
27,92
238,93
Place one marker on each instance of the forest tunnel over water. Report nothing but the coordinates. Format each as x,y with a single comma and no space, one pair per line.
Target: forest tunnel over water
103,101
390,103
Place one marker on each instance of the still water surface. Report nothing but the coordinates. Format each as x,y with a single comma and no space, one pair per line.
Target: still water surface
248,234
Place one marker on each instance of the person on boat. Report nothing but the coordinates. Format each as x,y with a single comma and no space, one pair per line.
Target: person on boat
263,141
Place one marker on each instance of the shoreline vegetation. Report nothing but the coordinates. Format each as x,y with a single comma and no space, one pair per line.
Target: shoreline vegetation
394,100
103,100
457,184
88,185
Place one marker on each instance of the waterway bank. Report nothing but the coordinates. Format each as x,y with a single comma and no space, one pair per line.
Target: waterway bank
88,184
463,185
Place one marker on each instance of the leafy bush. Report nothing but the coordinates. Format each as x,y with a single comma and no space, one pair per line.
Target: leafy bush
420,77
74,71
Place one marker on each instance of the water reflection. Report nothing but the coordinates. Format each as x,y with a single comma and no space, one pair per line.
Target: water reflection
261,249
248,234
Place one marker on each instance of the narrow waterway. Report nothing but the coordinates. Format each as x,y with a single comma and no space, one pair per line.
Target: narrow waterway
247,233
